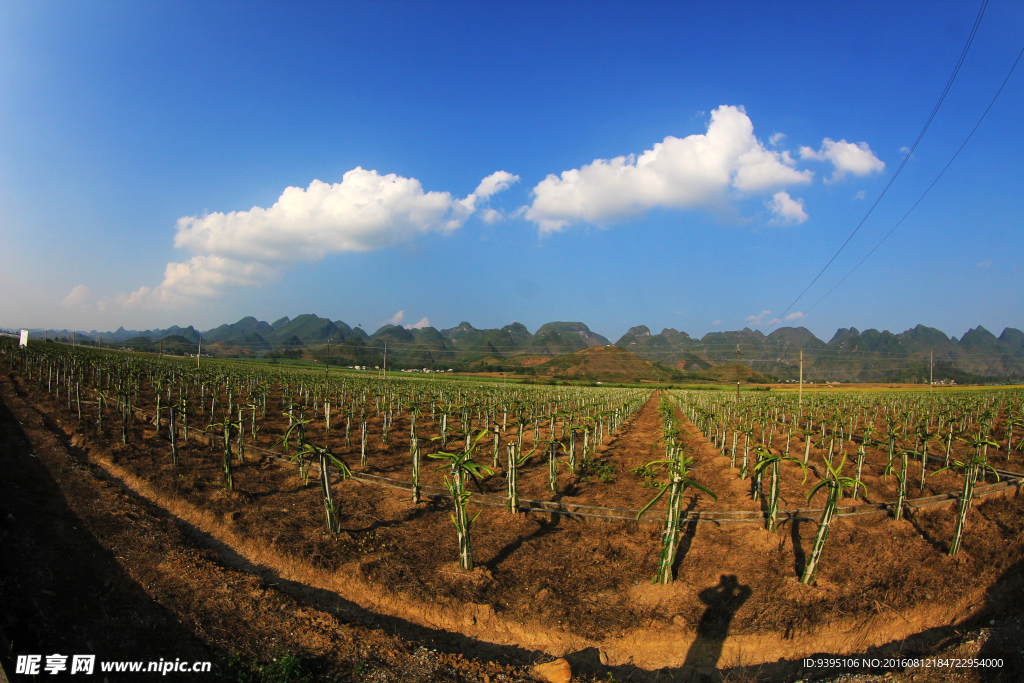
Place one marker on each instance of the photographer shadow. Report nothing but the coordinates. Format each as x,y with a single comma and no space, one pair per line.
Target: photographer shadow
723,602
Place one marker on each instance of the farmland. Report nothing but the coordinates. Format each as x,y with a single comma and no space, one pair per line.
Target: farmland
502,522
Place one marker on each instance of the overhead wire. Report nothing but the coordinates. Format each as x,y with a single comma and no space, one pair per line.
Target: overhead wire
920,136
925,193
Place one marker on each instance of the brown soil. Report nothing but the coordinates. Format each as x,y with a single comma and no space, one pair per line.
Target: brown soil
90,568
546,584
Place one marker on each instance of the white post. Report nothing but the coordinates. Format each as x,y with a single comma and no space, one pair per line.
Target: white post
801,399
931,386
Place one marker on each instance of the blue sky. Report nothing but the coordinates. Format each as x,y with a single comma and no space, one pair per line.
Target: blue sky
685,165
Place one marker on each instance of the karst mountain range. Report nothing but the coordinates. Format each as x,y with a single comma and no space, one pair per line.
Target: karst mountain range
851,354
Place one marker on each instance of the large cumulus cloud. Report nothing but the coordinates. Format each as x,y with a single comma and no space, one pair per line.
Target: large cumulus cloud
694,171
364,212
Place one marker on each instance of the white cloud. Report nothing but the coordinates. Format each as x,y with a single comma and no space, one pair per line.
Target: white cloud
678,173
140,297
364,212
796,316
787,210
198,278
716,323
396,319
846,157
494,183
775,138
905,150
492,216
860,195
203,276
759,318
985,264
420,325
77,297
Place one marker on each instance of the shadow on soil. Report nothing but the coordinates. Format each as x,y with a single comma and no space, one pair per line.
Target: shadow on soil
545,528
351,612
723,601
799,556
431,504
1005,644
686,540
1004,602
60,590
346,610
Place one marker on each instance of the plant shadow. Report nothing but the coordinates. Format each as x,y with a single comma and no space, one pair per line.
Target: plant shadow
545,527
686,540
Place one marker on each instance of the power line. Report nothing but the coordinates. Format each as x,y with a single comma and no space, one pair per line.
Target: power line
928,123
945,168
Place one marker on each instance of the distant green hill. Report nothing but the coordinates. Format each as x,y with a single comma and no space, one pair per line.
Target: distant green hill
175,345
238,331
603,364
919,372
731,372
850,355
868,356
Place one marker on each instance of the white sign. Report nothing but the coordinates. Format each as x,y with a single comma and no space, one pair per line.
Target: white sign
24,338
